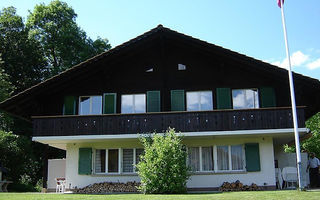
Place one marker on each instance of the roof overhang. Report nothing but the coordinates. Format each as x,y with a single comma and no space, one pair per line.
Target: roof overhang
280,136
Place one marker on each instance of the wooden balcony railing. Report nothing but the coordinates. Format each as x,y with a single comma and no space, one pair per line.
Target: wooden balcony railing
216,120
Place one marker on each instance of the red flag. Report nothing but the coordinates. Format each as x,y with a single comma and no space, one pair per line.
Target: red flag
279,3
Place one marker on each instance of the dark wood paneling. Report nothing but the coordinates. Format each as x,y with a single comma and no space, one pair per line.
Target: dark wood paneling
217,120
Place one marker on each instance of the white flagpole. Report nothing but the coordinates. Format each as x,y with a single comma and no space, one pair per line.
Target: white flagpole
293,100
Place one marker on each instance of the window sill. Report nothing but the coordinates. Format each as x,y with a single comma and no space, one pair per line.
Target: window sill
114,174
219,172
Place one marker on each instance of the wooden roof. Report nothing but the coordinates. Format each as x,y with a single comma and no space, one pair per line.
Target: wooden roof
14,104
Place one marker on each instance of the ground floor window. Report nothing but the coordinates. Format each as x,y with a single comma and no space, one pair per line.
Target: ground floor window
116,160
216,158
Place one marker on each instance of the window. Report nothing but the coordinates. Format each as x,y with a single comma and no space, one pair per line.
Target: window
218,158
237,157
107,160
90,105
127,160
113,160
135,103
100,161
207,158
199,101
181,67
245,98
194,158
223,157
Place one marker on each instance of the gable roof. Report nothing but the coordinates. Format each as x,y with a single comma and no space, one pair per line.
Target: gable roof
9,104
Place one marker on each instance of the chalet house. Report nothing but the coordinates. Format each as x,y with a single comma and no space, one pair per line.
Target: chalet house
233,110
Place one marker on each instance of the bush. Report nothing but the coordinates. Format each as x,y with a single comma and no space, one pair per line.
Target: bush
162,167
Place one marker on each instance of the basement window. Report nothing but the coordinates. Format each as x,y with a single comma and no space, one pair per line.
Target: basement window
181,67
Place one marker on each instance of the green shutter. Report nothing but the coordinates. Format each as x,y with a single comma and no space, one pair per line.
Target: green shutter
177,100
224,98
153,101
268,98
69,106
85,161
252,157
109,103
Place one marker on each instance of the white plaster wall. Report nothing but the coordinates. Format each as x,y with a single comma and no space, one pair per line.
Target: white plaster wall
265,177
56,169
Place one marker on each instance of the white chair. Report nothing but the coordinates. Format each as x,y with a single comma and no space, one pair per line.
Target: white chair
61,185
290,175
279,180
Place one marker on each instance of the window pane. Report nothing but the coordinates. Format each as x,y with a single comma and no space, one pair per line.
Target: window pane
127,160
236,157
140,103
127,104
192,101
84,105
206,100
207,161
245,98
96,105
223,158
100,161
193,158
113,160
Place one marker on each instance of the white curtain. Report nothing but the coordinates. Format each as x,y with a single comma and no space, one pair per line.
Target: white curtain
193,158
223,158
207,161
236,157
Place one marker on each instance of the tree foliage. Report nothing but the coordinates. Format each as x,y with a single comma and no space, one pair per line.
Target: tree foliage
163,168
311,144
63,42
22,59
49,42
17,156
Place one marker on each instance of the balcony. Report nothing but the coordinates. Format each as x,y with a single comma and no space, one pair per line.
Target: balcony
216,120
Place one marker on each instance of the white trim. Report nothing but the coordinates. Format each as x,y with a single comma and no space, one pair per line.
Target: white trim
200,158
186,134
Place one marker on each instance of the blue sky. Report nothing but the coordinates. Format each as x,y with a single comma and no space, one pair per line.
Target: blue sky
250,27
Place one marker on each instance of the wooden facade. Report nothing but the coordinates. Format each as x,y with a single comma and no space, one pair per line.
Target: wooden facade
123,70
221,120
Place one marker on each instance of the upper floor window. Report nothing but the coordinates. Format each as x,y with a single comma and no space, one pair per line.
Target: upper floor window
90,105
199,101
245,98
133,103
181,67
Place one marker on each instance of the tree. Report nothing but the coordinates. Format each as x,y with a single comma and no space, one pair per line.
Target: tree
163,168
311,144
62,40
22,60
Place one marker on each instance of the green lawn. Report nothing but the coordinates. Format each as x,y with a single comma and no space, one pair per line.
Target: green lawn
263,195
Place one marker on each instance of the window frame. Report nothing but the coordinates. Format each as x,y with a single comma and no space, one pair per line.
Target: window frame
133,101
90,97
215,159
254,100
199,99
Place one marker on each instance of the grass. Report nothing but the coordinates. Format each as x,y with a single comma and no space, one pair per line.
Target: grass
261,195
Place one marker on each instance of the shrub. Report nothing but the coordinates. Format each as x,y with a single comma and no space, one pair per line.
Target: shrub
162,167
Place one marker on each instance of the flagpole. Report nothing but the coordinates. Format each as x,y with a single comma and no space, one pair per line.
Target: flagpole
293,99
